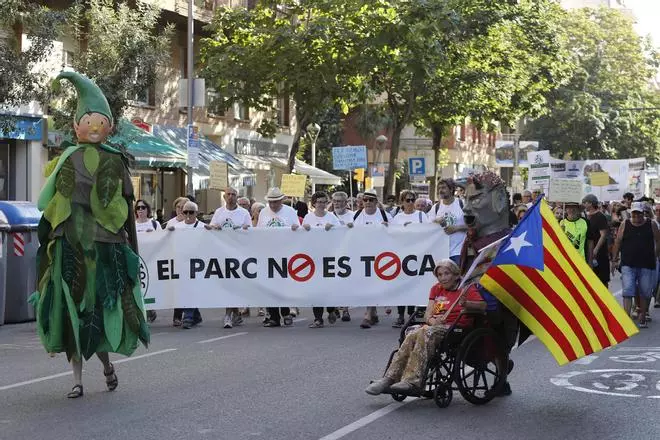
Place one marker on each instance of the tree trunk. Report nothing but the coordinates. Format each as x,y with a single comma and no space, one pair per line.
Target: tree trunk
437,145
390,180
301,123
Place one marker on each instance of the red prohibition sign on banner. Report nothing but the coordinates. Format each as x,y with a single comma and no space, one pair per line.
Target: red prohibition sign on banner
381,267
294,271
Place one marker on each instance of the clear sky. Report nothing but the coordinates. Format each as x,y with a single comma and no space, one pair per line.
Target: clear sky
647,13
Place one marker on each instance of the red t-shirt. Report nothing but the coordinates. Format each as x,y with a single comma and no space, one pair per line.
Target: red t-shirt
445,298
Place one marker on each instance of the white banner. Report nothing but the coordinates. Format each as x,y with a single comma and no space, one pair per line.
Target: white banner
279,267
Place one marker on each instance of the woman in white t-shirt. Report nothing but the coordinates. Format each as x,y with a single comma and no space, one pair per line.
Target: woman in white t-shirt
409,214
321,218
178,209
191,317
143,220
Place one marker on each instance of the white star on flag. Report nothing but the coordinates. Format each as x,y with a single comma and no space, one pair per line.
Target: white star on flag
517,243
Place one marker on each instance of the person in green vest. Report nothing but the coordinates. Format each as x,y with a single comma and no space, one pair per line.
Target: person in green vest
575,227
88,299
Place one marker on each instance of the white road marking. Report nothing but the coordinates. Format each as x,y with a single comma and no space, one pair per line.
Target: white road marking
586,360
638,349
364,421
205,341
68,373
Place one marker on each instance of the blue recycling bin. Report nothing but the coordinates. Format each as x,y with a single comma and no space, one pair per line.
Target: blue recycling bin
18,263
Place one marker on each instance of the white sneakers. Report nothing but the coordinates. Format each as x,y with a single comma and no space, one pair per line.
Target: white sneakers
228,321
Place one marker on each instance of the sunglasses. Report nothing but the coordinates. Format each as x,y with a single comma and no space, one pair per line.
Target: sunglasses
410,200
188,212
140,207
369,199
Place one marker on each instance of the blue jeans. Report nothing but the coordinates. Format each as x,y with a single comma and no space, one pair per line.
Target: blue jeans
637,280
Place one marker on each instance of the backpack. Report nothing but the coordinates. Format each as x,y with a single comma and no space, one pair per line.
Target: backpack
437,206
382,212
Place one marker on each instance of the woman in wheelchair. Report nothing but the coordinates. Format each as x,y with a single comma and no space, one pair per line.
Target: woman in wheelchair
406,371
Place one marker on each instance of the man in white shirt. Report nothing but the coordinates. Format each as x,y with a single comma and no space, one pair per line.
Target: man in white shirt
230,217
278,215
371,215
448,213
340,209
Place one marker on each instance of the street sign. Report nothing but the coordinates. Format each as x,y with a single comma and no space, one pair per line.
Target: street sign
349,157
417,166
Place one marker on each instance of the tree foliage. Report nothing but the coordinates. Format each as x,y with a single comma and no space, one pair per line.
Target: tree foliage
302,49
121,48
20,82
602,111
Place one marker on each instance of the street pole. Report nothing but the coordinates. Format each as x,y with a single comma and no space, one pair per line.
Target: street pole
191,85
515,180
314,163
313,131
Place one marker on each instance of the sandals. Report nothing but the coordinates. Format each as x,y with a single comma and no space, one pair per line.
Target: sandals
76,391
272,323
111,380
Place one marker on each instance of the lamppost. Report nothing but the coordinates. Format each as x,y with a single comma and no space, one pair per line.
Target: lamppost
381,140
313,130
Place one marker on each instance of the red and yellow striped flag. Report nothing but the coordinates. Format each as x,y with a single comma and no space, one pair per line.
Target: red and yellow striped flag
547,284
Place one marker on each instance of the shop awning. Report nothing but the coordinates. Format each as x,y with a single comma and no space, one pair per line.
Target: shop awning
148,150
316,175
208,151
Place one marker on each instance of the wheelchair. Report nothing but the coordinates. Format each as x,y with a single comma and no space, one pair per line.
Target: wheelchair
473,361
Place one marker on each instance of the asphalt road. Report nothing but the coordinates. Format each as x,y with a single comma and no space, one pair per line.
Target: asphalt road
298,383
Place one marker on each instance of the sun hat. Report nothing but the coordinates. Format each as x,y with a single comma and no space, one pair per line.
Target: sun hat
274,194
637,207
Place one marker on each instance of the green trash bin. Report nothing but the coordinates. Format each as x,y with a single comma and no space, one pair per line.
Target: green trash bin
4,227
20,244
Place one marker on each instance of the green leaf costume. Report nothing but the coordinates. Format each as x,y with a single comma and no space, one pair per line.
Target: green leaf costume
88,296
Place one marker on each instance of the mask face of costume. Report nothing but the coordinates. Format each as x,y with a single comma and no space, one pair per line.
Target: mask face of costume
92,128
486,208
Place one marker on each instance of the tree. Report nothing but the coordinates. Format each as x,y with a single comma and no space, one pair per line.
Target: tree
303,49
20,82
121,49
603,110
500,74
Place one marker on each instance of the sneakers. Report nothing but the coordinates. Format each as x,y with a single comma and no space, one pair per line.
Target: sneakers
332,317
366,323
261,312
345,316
294,311
237,320
288,320
228,321
318,323
643,323
399,322
378,386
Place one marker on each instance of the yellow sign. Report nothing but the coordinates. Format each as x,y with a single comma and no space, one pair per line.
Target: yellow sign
294,185
599,179
359,174
136,187
218,175
368,184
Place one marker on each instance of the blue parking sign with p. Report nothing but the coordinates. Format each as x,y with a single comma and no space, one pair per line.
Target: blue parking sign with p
416,166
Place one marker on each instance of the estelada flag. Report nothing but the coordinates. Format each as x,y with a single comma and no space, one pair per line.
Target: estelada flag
548,285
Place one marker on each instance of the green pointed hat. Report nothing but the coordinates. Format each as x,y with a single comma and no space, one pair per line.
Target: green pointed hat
90,98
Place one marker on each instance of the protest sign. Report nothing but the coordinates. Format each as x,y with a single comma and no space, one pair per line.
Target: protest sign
218,175
349,157
293,185
566,190
278,267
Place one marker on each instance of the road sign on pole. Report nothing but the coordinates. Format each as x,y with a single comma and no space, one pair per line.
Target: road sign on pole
417,166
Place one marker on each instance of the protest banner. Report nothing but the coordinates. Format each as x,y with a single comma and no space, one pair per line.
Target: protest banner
294,185
218,175
566,190
278,267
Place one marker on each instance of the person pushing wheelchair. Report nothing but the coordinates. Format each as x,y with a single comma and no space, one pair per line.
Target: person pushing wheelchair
446,301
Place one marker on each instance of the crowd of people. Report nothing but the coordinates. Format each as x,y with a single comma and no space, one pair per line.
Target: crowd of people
613,236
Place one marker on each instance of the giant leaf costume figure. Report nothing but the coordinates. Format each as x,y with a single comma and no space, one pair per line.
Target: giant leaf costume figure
88,299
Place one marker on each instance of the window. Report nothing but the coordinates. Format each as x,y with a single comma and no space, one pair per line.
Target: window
283,111
145,96
241,111
215,104
67,58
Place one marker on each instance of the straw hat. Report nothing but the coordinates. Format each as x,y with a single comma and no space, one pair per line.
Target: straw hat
274,194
